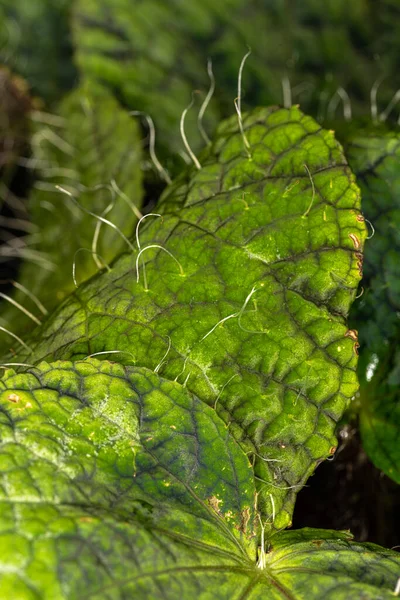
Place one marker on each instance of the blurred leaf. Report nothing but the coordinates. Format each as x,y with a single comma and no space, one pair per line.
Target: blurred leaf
15,129
95,142
374,155
380,411
35,42
153,54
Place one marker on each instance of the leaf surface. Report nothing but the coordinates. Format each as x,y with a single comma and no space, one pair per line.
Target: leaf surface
253,318
107,468
124,484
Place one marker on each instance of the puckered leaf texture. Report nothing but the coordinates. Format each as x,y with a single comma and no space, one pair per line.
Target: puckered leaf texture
241,291
117,483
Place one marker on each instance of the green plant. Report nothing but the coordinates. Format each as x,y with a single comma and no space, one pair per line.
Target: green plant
157,425
374,154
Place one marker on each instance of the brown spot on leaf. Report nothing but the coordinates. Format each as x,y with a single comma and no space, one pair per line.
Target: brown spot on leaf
214,502
360,260
360,218
14,398
244,520
352,333
332,450
355,240
317,543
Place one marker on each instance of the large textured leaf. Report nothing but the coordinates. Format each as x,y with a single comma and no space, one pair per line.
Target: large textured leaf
254,317
97,143
155,53
374,155
117,483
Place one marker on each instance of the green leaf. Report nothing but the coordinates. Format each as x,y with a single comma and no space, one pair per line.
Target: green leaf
253,318
314,563
119,482
94,143
374,155
380,411
109,472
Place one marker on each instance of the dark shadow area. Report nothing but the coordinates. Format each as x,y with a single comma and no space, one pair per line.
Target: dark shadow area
348,492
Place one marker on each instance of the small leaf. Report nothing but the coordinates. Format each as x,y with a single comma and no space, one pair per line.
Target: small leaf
380,412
